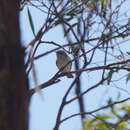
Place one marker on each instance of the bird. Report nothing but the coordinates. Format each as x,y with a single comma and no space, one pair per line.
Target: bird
63,62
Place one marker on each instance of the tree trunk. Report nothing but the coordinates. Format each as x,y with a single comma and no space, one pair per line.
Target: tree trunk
13,81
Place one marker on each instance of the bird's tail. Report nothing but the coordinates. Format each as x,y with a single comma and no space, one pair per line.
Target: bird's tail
69,75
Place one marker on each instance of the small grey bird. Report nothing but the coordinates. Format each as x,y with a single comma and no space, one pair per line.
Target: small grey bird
63,61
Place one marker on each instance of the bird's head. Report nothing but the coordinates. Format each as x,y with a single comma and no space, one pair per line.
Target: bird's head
61,53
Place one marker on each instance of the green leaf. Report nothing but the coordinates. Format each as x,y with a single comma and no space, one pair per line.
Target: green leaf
105,2
103,117
123,125
27,0
126,108
110,74
96,123
103,37
128,78
128,53
59,21
31,21
79,26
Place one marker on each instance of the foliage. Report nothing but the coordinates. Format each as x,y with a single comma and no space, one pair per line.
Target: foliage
117,118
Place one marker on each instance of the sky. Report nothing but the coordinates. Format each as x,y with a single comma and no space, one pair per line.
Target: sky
43,109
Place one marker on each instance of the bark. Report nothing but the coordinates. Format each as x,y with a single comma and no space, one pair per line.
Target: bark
13,81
